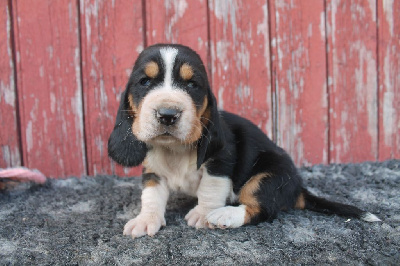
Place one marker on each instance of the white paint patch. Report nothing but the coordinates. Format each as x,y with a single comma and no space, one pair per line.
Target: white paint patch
309,30
139,49
7,88
9,94
366,88
53,102
29,136
389,114
221,97
179,9
243,58
389,111
372,8
168,55
322,25
388,9
226,11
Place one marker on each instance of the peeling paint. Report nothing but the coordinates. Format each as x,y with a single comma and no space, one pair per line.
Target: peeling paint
226,11
322,25
29,136
366,87
388,9
178,9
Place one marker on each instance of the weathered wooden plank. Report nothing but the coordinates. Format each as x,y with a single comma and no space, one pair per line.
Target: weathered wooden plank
352,64
240,59
112,38
177,21
389,78
49,89
299,79
9,141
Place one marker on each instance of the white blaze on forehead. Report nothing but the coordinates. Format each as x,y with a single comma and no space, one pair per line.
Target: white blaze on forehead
168,55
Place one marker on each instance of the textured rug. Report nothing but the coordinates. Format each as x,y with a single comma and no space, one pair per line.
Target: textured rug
80,221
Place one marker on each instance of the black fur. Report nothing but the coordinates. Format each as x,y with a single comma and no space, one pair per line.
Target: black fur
123,146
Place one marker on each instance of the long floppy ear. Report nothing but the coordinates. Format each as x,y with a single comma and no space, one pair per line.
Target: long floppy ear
123,146
213,138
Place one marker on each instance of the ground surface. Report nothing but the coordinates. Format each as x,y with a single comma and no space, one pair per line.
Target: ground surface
80,221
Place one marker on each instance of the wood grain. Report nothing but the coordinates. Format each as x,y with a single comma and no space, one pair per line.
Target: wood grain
112,38
178,21
9,141
352,64
49,88
299,79
240,59
389,78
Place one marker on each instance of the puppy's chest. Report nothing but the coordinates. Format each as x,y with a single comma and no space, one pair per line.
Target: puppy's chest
178,168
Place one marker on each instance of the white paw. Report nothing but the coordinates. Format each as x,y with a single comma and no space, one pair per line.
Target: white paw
144,224
227,217
197,217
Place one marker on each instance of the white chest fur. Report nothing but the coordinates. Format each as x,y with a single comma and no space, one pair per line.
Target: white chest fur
178,167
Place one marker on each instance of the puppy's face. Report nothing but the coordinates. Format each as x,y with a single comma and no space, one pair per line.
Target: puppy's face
167,96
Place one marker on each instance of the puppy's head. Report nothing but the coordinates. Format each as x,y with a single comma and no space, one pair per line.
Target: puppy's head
167,102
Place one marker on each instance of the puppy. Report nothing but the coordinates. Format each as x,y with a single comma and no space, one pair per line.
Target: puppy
168,120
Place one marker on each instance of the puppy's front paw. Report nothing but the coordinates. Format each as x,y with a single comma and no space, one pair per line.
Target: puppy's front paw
197,217
144,224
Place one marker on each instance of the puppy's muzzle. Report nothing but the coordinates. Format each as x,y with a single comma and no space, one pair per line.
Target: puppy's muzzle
168,116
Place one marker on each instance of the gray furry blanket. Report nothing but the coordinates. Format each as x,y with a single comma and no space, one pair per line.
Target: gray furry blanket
80,221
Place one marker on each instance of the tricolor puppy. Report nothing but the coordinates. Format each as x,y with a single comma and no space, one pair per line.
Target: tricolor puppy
168,120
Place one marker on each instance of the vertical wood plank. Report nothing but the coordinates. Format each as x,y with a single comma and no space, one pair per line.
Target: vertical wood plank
240,59
299,76
389,78
112,38
352,62
177,21
9,141
48,81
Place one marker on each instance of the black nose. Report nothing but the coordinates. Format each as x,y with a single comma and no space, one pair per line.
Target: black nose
168,116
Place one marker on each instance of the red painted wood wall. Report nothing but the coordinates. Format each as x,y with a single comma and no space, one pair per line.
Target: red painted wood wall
320,77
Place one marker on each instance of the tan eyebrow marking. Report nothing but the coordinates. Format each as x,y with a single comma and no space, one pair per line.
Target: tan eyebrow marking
151,69
186,71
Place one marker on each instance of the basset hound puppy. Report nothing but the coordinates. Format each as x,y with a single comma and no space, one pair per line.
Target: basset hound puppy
168,121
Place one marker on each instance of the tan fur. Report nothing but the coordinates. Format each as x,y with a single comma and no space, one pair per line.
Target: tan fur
151,183
301,202
136,122
148,129
197,126
247,196
186,72
132,105
151,69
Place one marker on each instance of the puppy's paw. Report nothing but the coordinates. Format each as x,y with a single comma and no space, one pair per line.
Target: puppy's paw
227,217
197,217
144,224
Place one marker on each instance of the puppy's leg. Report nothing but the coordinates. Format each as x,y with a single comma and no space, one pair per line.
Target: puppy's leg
261,199
154,200
212,193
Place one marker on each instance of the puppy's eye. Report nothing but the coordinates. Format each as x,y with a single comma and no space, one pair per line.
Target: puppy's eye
145,82
191,84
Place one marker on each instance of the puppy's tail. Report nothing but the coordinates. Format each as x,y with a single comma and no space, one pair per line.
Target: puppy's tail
308,201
